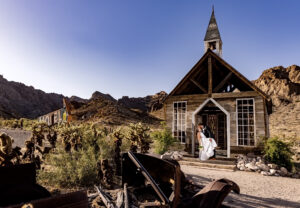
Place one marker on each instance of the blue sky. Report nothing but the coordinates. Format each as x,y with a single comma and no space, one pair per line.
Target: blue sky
138,47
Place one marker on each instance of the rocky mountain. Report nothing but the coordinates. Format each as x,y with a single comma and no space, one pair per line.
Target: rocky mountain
283,86
18,100
98,94
149,103
104,109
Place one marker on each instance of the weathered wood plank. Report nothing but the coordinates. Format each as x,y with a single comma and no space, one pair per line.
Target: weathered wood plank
210,78
235,94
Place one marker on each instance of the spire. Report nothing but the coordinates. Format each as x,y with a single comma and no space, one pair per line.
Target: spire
212,31
212,38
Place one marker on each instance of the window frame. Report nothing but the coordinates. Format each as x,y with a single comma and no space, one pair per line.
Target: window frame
185,121
237,123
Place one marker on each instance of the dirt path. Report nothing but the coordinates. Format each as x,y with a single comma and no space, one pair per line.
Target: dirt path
256,190
18,135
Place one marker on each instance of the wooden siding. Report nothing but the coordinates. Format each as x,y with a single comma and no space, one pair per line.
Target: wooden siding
228,102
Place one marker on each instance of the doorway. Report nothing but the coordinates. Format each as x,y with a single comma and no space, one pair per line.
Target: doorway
212,114
215,119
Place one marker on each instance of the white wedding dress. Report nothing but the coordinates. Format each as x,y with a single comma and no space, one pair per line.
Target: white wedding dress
208,147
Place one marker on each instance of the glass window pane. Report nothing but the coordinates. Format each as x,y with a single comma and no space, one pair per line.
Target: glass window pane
245,123
179,124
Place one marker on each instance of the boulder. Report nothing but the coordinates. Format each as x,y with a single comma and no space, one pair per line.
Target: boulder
263,167
272,166
166,156
251,166
242,168
259,159
284,171
171,156
265,173
176,156
272,171
240,164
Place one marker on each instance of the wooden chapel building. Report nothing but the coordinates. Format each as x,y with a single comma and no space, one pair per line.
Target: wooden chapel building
216,94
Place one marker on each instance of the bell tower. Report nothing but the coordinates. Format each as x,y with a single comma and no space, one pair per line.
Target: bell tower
212,38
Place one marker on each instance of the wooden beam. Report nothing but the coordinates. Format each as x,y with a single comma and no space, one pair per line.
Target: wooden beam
221,84
214,64
194,97
198,85
265,118
210,81
199,74
238,74
235,94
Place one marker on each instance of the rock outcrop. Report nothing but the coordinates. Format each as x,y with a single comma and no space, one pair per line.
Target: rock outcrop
104,109
149,103
283,86
18,100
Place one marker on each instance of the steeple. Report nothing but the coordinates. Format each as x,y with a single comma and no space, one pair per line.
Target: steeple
212,38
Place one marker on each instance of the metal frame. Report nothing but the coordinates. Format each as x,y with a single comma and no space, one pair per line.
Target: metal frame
237,124
227,123
185,119
148,177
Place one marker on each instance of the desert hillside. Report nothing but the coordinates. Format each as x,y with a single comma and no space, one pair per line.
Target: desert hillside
151,104
104,109
283,86
18,100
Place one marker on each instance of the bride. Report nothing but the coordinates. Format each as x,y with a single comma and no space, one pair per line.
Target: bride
206,145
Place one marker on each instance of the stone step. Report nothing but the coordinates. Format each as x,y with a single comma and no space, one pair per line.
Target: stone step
206,165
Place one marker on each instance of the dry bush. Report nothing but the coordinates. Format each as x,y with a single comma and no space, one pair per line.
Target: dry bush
78,167
163,139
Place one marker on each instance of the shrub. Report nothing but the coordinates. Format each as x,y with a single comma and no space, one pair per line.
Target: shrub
278,152
77,167
163,139
139,136
22,123
70,169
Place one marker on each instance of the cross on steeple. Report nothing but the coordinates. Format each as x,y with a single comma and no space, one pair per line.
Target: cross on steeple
212,38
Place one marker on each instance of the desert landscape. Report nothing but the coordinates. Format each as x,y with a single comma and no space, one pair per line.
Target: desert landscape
79,128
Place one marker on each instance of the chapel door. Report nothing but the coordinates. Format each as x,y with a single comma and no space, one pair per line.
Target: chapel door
217,123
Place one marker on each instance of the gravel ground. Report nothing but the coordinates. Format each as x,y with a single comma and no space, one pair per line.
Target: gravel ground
256,190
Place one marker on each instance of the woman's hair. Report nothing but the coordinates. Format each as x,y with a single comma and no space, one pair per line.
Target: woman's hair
200,124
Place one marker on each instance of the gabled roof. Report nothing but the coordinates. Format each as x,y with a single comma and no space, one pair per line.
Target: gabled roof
215,57
212,31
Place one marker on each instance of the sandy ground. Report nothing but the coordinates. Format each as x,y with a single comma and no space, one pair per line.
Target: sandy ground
256,190
18,135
